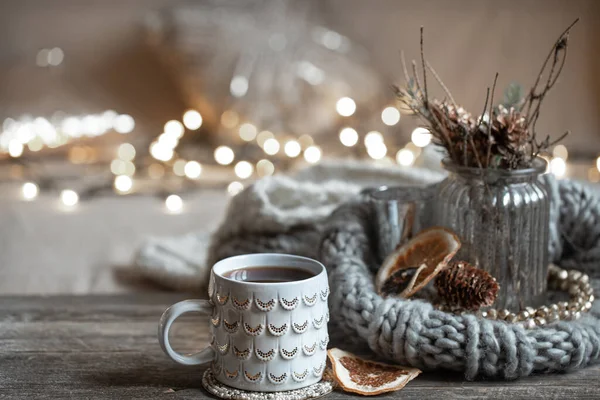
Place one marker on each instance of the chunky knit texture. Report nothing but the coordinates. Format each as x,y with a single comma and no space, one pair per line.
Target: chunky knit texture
413,332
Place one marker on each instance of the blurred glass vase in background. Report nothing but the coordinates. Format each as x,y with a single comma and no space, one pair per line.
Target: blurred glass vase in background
502,219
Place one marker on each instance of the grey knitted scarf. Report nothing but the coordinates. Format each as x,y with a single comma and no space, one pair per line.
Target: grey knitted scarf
412,331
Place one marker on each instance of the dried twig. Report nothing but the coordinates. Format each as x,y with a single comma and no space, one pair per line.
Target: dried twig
424,69
490,116
441,83
509,131
404,67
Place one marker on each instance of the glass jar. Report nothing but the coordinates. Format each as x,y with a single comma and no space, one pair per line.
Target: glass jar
502,219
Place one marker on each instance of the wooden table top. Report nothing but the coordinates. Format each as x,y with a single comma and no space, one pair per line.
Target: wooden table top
105,347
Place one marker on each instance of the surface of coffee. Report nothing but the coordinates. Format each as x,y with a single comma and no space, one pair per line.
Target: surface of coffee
269,274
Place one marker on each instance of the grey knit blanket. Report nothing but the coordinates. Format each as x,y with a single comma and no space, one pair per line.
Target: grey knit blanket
413,332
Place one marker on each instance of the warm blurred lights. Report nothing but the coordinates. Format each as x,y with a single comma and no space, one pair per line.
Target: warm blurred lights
416,150
174,204
560,151
35,144
224,155
15,148
373,138
377,150
263,136
234,188
29,190
420,137
117,167
53,57
123,123
168,141
161,153
292,149
345,106
179,167
312,154
69,197
348,137
405,157
174,128
238,86
243,169
123,183
247,132
306,141
126,152
271,146
558,167
193,169
265,168
56,56
598,163
230,119
129,168
390,116
192,120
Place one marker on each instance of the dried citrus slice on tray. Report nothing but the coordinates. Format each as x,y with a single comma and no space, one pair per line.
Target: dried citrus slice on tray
365,377
411,266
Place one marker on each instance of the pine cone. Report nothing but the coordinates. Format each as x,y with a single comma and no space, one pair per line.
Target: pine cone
466,286
509,136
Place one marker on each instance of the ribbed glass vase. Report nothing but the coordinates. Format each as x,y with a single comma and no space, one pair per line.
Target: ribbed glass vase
502,219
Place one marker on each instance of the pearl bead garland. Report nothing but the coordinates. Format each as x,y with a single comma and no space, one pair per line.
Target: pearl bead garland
576,283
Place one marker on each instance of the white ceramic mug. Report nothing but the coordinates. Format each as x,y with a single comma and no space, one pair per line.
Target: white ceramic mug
265,336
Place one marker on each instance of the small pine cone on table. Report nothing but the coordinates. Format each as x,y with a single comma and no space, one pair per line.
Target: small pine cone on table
465,286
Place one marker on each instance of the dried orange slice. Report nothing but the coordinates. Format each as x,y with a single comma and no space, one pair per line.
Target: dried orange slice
411,266
368,378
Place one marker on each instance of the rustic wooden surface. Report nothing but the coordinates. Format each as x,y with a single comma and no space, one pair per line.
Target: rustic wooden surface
105,347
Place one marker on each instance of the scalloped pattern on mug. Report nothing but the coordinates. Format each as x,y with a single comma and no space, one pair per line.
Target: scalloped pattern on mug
222,348
222,298
241,305
300,376
324,294
310,350
256,378
300,328
278,330
317,322
265,305
289,354
242,354
265,355
289,304
231,374
253,331
310,300
215,320
230,327
319,369
323,343
278,380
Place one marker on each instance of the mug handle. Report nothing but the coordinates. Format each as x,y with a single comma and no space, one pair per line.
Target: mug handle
164,326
